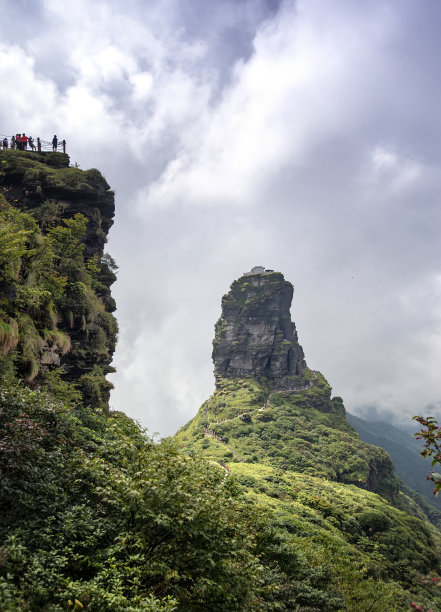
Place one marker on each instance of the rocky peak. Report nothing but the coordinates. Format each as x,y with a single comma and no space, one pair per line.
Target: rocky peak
255,335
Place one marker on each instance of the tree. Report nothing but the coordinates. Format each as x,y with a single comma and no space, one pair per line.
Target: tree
432,443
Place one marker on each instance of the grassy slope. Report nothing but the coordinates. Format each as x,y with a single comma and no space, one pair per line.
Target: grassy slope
301,460
303,430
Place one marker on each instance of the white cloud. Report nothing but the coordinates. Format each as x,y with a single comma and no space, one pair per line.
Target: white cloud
282,103
392,173
303,139
23,91
142,83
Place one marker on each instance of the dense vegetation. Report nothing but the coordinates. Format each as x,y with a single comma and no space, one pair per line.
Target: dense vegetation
297,458
430,432
53,304
304,431
95,512
96,515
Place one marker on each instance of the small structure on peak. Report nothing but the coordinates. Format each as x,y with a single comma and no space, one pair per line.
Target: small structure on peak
258,270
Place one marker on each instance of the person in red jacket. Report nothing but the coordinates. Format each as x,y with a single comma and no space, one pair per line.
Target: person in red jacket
24,141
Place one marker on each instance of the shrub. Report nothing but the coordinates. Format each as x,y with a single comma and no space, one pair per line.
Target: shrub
93,511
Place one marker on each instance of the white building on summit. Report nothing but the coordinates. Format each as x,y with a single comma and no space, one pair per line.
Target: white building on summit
258,270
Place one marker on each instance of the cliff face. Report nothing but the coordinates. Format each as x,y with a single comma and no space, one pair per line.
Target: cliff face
44,184
255,335
55,297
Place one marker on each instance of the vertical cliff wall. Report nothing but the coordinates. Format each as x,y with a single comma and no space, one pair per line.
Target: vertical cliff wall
55,296
255,335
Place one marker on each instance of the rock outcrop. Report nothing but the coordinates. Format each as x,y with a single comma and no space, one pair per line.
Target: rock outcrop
268,407
80,333
255,335
45,184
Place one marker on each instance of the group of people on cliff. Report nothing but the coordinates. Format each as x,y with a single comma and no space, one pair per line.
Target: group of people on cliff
21,142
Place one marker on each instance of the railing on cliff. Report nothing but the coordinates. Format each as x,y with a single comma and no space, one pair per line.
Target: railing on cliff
39,145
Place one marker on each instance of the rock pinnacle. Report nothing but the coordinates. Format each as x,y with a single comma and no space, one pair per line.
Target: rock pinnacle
255,335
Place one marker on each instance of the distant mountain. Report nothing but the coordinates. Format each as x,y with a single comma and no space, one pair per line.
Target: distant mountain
404,450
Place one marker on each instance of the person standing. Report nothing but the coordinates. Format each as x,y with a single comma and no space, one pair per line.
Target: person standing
18,143
24,141
5,143
13,142
31,143
54,143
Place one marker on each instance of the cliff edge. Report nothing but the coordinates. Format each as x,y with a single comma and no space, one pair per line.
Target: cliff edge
56,322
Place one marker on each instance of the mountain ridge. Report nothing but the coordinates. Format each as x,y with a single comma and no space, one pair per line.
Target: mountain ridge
404,450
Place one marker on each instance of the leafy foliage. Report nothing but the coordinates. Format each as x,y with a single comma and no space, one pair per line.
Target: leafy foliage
292,446
49,290
303,431
92,510
431,434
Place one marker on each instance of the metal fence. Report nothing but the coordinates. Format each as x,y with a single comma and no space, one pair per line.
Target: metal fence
39,144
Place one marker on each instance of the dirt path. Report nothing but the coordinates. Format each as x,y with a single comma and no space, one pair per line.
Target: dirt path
210,433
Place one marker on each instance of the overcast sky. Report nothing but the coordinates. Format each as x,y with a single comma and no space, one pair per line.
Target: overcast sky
303,136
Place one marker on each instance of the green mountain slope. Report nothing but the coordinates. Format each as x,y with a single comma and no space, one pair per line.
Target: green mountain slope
293,452
299,430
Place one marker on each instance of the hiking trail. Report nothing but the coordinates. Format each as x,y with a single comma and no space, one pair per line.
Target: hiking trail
210,433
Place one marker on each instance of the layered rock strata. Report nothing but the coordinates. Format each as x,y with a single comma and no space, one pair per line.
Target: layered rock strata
45,184
255,335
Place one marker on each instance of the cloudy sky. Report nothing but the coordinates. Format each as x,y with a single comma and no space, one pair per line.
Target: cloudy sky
299,135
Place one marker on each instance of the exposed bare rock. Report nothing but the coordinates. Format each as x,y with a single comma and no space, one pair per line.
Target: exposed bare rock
255,335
